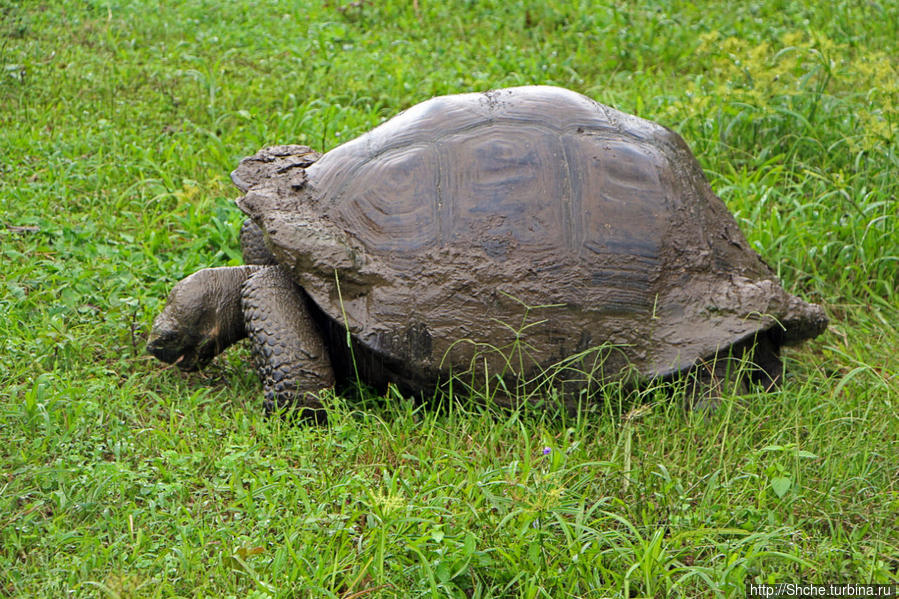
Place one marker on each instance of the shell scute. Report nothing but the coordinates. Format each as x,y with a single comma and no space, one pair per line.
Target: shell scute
391,203
496,187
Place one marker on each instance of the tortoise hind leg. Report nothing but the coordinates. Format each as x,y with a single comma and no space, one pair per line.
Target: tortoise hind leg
290,353
710,379
753,361
768,367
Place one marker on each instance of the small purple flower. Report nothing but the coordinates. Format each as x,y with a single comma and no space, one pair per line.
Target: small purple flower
547,450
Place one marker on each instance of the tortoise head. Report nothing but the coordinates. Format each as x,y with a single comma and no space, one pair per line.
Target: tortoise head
201,318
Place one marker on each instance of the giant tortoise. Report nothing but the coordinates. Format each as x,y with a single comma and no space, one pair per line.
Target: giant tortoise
520,232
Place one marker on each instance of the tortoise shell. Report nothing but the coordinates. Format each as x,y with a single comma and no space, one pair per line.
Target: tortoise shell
519,226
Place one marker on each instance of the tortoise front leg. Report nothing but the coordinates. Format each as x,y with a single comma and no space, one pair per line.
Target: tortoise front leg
290,353
252,245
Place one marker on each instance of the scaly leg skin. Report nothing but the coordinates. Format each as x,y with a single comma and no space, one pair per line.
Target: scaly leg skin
252,245
290,353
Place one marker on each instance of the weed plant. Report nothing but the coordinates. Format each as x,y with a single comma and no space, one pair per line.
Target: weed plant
119,122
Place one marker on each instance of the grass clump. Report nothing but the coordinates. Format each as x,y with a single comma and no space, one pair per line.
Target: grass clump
119,122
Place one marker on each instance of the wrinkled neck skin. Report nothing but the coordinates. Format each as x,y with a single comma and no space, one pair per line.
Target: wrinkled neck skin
222,293
202,317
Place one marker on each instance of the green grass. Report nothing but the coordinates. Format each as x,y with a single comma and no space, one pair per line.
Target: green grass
119,123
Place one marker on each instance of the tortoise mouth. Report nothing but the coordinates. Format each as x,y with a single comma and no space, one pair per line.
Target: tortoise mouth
170,348
161,349
187,361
